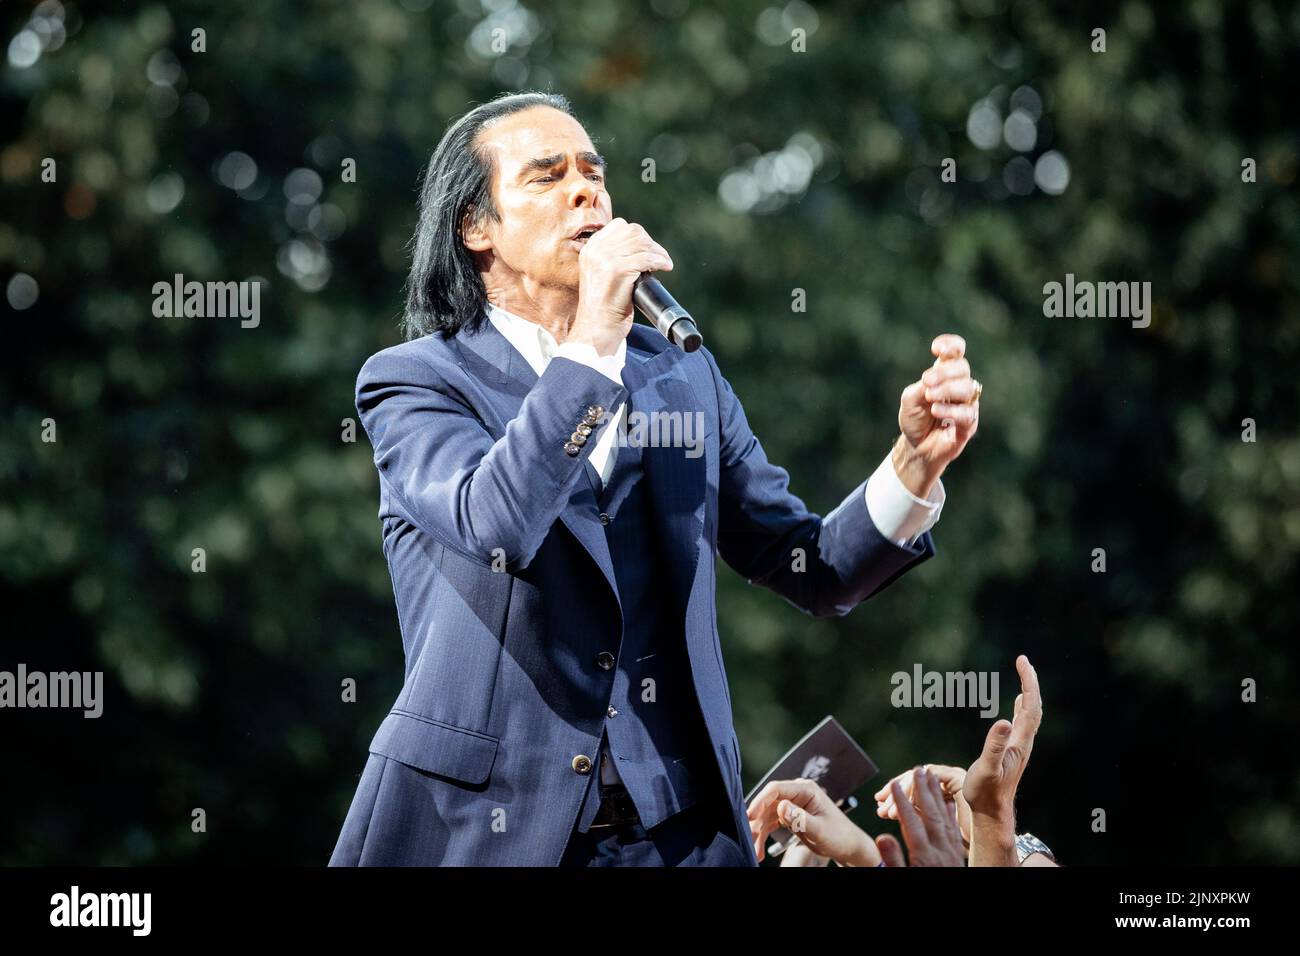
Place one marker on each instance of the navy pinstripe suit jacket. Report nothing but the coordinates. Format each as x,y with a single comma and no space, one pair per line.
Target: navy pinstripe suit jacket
506,593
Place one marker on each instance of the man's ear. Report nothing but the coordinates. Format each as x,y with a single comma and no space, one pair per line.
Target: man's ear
473,236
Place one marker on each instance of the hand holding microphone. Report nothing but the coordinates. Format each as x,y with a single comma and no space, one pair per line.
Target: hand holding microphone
614,275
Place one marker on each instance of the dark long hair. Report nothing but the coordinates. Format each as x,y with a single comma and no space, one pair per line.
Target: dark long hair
444,292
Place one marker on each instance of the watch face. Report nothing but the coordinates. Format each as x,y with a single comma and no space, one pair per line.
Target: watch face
1027,844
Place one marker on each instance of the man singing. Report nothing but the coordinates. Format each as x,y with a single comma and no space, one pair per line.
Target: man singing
565,701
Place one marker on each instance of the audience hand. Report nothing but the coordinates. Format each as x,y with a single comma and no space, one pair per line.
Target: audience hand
928,823
950,780
807,810
990,784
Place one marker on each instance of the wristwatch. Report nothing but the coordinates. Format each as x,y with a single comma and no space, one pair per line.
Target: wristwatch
1027,844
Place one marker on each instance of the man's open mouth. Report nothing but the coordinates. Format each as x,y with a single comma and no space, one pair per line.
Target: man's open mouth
586,232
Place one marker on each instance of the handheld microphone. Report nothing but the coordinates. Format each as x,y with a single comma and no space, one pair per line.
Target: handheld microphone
662,311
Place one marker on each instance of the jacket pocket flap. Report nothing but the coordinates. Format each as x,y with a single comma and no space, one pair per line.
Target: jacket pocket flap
435,747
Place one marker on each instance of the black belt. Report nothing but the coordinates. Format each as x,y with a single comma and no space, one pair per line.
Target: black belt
616,808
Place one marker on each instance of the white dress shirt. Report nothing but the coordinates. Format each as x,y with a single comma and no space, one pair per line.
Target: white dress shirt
898,515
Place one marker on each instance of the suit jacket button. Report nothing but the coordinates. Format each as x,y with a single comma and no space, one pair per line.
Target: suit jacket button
612,712
571,449
577,439
583,429
605,660
594,411
604,518
582,764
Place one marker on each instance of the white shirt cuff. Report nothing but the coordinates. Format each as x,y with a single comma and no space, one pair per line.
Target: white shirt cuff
611,366
899,515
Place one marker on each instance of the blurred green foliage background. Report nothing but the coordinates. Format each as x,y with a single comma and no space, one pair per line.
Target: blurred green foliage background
776,170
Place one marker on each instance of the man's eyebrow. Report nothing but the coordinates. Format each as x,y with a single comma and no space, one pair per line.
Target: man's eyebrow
546,162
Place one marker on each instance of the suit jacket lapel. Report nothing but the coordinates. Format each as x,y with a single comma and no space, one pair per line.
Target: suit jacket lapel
507,378
662,393
593,479
491,359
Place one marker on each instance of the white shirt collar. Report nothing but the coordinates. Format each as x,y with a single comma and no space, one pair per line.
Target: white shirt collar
527,337
531,340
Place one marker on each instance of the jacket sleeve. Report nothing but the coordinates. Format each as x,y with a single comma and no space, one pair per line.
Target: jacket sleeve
822,566
472,493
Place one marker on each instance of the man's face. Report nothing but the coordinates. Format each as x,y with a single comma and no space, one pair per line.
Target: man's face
549,183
